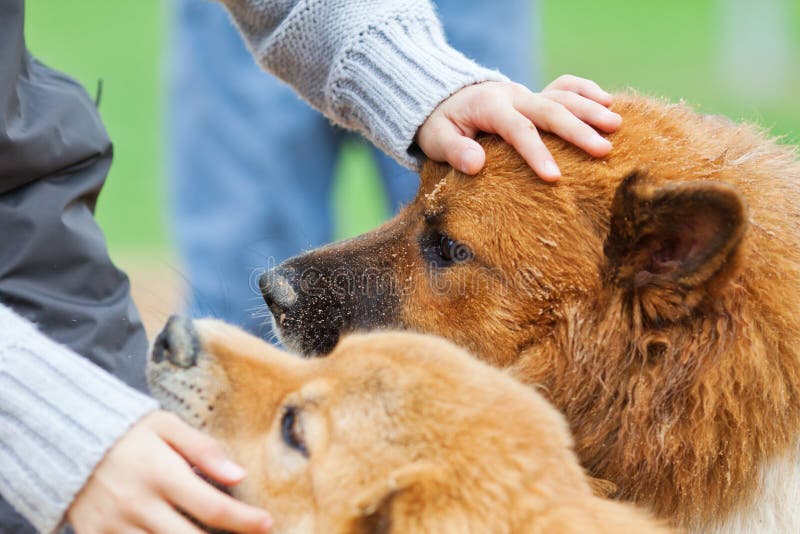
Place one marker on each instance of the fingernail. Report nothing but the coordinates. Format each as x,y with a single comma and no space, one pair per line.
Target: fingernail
470,158
602,143
265,525
552,169
232,470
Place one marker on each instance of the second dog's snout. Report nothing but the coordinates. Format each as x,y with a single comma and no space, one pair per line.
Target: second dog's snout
277,290
177,343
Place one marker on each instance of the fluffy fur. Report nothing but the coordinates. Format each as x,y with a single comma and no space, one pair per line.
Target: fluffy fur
394,432
652,296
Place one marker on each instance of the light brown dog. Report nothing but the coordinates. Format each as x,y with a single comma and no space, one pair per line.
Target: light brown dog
654,296
394,432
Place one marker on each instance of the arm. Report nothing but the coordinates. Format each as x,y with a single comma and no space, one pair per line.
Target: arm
384,69
58,416
379,67
77,443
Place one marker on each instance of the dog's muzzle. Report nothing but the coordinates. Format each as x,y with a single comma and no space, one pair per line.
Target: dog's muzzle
277,290
177,343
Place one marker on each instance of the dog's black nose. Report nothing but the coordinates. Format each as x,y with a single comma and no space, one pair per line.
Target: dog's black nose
177,343
277,290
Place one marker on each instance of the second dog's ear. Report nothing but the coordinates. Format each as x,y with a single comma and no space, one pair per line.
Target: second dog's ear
667,243
398,502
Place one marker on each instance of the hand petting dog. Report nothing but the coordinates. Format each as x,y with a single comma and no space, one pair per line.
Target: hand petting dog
568,107
153,459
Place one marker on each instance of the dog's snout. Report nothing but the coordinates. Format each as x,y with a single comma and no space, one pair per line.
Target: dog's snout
277,291
177,343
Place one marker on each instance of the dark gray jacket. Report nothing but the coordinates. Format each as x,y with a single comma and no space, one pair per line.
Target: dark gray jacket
54,265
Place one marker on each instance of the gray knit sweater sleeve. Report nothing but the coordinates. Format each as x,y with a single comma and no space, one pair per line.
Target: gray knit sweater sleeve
59,414
379,67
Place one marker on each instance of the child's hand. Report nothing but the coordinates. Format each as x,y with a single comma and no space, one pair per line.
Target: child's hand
568,107
145,479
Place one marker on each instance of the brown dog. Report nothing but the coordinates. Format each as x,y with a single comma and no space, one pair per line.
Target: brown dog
654,296
393,433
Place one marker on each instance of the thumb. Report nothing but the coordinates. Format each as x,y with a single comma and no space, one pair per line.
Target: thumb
466,155
441,140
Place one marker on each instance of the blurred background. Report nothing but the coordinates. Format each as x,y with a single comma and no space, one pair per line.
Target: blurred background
740,58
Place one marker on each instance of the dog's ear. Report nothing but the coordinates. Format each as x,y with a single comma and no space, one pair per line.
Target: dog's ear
398,502
670,244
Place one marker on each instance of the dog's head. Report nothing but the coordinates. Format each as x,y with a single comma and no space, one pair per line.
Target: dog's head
393,432
494,262
646,293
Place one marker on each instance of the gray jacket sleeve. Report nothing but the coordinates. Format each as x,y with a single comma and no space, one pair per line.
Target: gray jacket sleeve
378,67
59,414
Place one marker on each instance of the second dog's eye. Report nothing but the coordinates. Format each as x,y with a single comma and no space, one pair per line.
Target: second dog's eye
452,251
292,431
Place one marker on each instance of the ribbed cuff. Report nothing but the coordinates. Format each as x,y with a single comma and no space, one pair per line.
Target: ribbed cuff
59,414
392,78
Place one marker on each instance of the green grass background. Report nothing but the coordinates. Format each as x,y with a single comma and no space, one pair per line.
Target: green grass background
670,49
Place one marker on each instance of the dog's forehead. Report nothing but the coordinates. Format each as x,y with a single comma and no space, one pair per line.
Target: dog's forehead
443,192
458,192
433,201
316,389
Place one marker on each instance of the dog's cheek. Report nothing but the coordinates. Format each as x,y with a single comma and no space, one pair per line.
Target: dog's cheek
435,303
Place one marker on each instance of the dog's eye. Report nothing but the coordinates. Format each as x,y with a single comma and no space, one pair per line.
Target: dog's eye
452,251
292,431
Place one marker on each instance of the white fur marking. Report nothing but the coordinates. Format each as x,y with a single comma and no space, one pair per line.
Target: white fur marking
775,508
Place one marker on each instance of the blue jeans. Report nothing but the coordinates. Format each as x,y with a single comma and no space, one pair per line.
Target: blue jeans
251,165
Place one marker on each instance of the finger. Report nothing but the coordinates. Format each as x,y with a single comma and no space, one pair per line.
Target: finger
583,87
212,507
555,118
468,156
444,141
161,517
199,449
520,132
586,109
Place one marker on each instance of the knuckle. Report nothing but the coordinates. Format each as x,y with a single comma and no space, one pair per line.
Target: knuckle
567,79
482,99
553,107
490,113
559,95
492,100
121,495
519,89
132,507
436,130
476,94
162,476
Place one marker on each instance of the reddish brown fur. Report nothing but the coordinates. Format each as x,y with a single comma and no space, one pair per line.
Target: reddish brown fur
678,410
677,386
